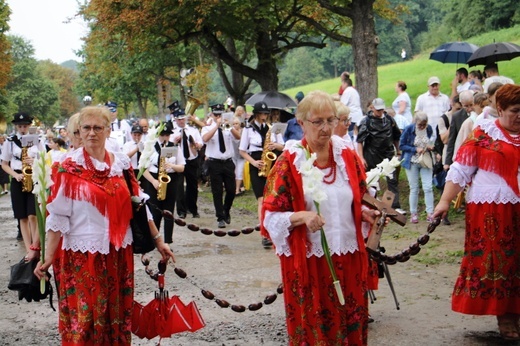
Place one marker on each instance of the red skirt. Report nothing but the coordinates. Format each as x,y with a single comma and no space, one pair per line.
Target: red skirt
96,297
489,278
313,313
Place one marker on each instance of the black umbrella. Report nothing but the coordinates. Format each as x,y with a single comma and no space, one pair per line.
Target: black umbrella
494,52
273,99
453,52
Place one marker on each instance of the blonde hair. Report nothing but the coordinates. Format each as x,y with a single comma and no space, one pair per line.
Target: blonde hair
341,109
315,102
95,112
73,123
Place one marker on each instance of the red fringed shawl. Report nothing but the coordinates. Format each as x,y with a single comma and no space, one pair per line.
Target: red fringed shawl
488,154
110,196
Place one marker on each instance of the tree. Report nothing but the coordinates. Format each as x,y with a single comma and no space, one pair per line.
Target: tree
28,90
63,79
5,58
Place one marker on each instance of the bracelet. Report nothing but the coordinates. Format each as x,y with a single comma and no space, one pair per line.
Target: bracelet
34,248
157,236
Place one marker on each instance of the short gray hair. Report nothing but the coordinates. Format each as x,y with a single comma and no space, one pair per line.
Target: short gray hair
420,116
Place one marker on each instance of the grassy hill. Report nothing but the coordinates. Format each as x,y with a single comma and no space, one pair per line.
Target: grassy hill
416,71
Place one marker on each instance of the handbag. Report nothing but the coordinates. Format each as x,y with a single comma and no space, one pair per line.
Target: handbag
24,281
143,241
425,160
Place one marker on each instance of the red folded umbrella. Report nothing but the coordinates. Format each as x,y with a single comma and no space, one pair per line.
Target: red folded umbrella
164,316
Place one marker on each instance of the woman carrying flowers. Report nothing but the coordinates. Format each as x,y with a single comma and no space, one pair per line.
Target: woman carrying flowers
312,212
89,236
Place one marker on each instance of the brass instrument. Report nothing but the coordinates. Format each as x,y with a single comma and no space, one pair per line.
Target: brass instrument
27,182
191,105
268,157
225,126
164,179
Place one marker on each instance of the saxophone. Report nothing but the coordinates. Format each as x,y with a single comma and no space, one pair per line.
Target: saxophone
27,182
164,179
268,157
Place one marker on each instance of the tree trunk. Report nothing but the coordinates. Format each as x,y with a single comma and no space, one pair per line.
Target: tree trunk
364,47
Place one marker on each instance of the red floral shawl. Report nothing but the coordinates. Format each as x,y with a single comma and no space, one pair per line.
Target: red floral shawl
284,192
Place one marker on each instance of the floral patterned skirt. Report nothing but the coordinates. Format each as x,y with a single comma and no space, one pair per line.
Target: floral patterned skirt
489,277
96,297
313,314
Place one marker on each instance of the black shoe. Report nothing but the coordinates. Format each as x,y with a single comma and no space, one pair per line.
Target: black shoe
221,224
370,319
446,222
227,218
182,216
19,236
267,243
196,215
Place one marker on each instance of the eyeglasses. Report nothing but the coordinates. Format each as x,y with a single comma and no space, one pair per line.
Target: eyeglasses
76,134
87,128
345,121
320,124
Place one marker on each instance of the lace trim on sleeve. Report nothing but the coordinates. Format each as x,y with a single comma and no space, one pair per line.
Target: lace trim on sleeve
278,224
57,223
459,174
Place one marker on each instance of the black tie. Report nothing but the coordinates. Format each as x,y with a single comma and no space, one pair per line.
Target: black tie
138,155
112,126
185,144
221,144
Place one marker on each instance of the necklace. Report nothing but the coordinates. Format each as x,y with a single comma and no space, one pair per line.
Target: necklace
330,177
97,177
515,140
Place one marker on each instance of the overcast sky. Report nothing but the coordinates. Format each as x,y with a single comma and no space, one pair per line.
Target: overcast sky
42,23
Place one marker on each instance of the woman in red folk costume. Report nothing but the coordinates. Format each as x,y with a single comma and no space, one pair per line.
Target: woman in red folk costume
89,210
314,314
488,161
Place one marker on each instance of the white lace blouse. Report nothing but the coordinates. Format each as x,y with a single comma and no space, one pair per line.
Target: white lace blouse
82,226
486,187
339,226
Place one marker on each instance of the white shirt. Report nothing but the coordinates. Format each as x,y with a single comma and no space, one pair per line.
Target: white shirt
462,87
433,106
190,132
251,140
212,145
486,187
351,99
175,160
339,228
83,227
128,147
408,109
12,153
496,79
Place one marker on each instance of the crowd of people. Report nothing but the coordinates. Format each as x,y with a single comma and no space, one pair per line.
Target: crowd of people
471,137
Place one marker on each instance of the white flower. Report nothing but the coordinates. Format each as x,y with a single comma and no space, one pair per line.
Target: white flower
384,169
395,162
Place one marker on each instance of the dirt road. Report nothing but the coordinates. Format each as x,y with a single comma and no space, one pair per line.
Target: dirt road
239,270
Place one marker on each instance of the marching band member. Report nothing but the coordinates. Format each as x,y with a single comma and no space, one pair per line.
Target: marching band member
171,167
219,153
14,158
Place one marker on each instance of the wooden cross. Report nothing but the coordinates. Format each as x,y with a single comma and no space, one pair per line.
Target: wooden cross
385,208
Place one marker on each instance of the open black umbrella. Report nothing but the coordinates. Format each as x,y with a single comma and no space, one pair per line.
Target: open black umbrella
453,52
273,99
494,52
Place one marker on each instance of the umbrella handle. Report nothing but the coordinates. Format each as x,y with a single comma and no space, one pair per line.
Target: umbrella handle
160,279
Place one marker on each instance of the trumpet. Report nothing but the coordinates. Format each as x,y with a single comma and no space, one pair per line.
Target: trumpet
225,126
268,157
164,179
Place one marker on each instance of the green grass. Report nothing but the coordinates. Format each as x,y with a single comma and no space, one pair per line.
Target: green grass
416,72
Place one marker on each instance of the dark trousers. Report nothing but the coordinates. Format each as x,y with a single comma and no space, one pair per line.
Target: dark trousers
393,186
222,172
192,185
167,204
